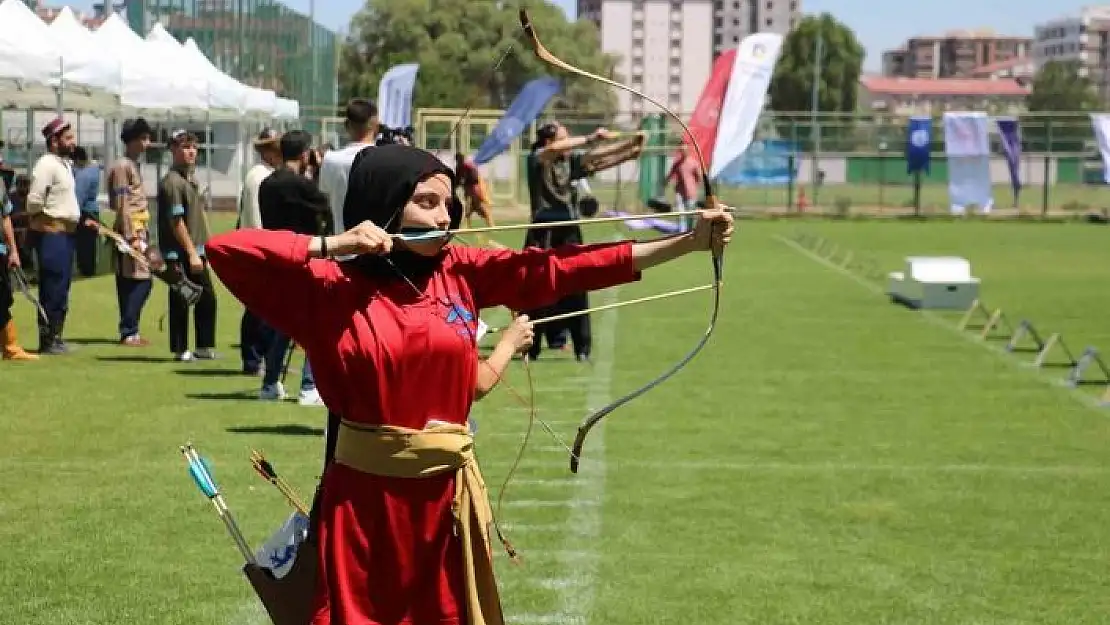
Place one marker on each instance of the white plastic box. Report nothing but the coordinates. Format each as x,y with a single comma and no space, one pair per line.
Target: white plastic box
936,282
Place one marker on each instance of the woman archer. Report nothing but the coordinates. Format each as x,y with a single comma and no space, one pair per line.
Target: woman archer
404,519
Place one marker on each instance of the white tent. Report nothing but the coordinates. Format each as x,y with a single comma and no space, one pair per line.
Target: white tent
287,109
255,103
75,41
29,69
146,87
225,98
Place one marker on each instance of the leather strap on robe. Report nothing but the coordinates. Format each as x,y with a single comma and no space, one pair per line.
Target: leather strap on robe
391,451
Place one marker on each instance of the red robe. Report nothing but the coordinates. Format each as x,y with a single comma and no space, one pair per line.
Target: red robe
382,355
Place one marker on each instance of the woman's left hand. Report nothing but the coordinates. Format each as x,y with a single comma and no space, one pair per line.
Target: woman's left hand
713,229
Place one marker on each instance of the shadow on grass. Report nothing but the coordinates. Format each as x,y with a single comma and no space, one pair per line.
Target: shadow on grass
291,429
135,359
215,373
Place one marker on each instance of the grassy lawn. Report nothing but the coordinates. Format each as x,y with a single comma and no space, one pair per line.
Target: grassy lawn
829,458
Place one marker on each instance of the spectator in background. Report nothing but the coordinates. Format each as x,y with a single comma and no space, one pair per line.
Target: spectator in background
253,338
290,201
86,175
361,124
20,221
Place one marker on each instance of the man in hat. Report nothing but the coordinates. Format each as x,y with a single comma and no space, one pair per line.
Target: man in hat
182,233
361,124
54,216
253,342
127,197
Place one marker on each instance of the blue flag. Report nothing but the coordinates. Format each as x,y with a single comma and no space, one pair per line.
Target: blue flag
524,110
1011,147
919,140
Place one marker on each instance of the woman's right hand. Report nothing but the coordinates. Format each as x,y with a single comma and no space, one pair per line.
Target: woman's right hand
365,238
519,334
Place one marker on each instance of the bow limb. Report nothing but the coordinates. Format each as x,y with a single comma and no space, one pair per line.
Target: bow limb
710,200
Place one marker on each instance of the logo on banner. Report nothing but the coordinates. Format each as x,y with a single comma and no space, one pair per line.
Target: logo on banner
759,51
919,138
508,129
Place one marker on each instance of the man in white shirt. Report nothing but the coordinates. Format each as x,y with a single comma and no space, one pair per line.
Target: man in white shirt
361,124
253,338
54,216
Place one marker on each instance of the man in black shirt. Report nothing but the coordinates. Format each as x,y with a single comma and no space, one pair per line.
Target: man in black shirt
288,200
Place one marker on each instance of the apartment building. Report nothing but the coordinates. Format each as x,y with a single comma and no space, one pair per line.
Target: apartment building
735,19
664,47
956,54
1083,37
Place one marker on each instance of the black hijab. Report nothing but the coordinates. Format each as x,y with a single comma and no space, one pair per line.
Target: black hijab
381,182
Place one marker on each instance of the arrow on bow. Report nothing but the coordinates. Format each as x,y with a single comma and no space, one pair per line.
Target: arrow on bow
710,201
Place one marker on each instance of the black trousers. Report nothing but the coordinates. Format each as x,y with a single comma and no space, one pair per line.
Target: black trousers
578,327
204,312
86,240
6,297
254,341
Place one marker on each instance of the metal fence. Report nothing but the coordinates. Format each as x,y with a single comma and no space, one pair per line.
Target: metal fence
261,43
842,162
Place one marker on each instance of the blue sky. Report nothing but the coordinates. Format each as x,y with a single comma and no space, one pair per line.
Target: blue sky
879,25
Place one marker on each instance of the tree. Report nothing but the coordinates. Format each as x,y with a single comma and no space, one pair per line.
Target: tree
457,44
841,63
1059,91
1059,87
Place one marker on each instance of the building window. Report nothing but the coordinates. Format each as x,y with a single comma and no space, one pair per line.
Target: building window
769,22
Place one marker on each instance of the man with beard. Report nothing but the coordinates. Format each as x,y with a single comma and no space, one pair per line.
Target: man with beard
128,200
54,216
182,233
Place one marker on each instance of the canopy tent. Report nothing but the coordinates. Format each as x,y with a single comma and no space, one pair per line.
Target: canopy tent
224,98
146,88
287,109
102,73
33,67
254,103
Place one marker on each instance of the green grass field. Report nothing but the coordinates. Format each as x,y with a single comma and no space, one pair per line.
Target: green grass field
829,458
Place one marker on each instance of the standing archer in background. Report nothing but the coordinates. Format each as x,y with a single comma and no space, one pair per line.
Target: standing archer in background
182,234
475,190
554,165
686,175
9,261
127,197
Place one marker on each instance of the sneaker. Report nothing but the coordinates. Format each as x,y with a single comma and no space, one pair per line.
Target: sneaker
310,397
184,357
272,392
134,341
206,354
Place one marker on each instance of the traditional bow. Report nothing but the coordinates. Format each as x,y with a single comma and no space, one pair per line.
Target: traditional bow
710,201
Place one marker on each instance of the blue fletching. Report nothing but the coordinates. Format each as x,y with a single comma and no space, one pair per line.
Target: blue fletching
203,478
430,235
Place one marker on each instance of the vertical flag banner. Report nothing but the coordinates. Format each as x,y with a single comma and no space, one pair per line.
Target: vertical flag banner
1010,136
967,145
919,139
744,100
703,122
1101,122
395,95
524,110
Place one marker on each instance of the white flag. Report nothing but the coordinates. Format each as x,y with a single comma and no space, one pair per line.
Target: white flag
745,97
395,95
279,553
967,145
1101,123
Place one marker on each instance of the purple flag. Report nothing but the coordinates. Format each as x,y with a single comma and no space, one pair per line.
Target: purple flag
1011,147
